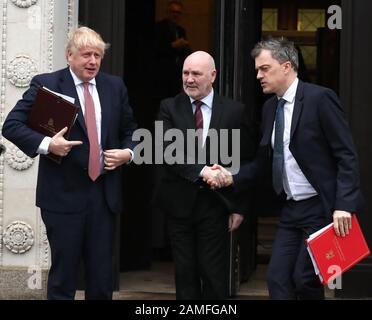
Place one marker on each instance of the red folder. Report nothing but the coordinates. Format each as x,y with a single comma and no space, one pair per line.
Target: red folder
333,255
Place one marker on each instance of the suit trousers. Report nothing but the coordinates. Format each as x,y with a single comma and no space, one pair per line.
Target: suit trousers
86,236
290,274
200,245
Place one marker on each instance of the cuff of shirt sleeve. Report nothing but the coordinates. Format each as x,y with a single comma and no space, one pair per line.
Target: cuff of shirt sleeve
131,155
44,146
201,172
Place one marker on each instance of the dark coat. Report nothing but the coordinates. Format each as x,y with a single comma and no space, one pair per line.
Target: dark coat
65,187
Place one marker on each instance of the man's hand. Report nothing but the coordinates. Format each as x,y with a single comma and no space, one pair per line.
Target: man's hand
212,175
221,177
115,158
235,220
341,222
60,146
180,43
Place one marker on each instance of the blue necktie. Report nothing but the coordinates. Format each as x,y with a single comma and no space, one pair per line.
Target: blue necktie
278,154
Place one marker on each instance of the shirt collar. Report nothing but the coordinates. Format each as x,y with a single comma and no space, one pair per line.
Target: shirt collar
208,100
290,94
77,81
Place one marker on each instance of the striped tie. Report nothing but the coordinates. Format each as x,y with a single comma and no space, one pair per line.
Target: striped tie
198,114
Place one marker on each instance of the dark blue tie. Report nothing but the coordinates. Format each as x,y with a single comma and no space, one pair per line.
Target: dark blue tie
278,154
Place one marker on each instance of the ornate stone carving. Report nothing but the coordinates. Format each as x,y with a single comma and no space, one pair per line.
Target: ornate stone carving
4,37
21,70
18,237
16,159
24,3
51,31
44,246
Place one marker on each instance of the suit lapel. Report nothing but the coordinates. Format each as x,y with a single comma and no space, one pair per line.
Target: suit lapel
269,121
297,109
104,98
186,110
217,111
67,87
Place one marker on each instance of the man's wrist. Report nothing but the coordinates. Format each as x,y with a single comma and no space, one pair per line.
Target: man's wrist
202,172
44,146
131,155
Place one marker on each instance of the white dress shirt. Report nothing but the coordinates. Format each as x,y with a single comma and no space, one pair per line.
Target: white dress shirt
44,146
97,105
296,186
206,109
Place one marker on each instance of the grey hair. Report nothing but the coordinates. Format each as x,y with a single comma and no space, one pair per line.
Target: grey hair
281,50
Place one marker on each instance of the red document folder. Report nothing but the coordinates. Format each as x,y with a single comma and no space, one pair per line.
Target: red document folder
50,113
333,255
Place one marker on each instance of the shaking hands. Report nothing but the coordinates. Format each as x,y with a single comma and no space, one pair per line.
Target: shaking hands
217,176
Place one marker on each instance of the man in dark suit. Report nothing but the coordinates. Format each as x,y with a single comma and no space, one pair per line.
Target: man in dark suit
171,47
199,218
307,149
80,197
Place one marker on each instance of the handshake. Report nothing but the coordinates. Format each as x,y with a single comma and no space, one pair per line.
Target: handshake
217,176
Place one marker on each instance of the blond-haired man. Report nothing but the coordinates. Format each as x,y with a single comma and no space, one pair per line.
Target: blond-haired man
80,197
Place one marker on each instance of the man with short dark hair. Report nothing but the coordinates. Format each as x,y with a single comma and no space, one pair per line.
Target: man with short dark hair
171,47
307,146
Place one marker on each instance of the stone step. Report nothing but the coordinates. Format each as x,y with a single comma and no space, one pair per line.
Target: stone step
266,229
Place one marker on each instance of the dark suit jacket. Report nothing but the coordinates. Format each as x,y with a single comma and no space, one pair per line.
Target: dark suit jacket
180,182
64,187
165,33
168,61
320,142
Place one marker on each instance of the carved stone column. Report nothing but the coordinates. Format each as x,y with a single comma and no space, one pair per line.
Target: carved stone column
33,36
